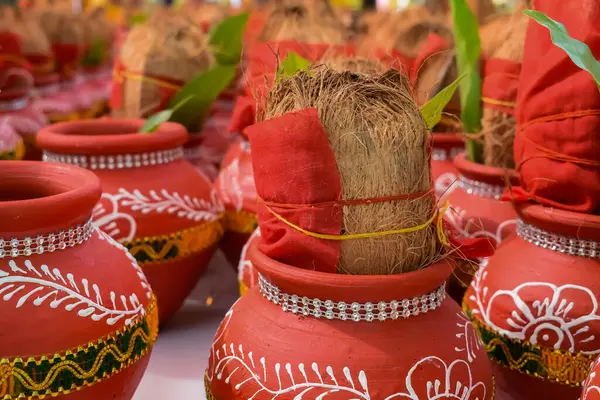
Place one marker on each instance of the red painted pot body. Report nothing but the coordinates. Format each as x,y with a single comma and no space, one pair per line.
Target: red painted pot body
537,300
154,202
236,190
62,305
444,147
591,388
264,350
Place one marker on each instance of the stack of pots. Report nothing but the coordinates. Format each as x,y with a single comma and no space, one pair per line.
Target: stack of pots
535,304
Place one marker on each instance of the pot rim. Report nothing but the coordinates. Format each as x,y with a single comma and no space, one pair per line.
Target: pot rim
109,136
484,173
350,288
67,196
568,223
447,140
14,94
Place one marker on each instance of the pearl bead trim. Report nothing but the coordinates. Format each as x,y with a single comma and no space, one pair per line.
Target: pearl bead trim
46,243
438,154
118,161
480,189
559,243
355,312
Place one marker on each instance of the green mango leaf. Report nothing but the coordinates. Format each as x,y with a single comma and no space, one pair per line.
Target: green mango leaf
157,119
468,49
432,110
95,55
138,19
578,51
291,65
204,89
226,39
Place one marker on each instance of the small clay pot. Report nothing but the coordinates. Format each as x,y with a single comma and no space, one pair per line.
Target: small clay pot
304,334
154,202
536,304
78,317
444,147
476,211
235,187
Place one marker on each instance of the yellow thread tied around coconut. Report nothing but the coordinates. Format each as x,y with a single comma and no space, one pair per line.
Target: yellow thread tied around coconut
489,100
437,218
120,75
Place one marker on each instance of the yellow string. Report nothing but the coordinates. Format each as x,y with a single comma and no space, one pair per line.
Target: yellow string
495,102
437,218
142,78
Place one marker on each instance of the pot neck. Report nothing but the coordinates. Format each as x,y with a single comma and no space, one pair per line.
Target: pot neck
28,190
111,144
482,180
350,298
561,231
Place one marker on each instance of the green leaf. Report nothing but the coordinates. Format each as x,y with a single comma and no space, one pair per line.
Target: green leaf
226,39
138,19
432,110
291,65
578,51
468,49
95,55
157,119
203,90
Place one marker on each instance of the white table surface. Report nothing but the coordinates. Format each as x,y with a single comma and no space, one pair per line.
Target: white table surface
179,358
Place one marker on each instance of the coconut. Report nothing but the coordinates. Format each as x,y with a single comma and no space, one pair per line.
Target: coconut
61,25
498,127
359,65
25,25
292,20
206,15
171,49
381,147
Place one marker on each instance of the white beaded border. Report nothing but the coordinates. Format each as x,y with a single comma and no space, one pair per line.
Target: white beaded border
46,243
438,154
558,243
352,311
481,189
118,161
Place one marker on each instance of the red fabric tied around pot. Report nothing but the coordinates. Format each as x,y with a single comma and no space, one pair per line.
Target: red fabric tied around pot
67,59
500,84
262,66
558,133
294,165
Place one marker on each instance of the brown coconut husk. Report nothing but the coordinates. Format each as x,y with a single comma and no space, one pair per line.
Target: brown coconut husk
393,27
61,25
498,127
293,21
208,14
359,65
175,48
97,27
410,41
381,147
25,25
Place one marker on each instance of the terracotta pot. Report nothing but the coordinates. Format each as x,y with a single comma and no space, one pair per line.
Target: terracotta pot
536,304
78,317
154,202
280,341
444,147
591,388
477,212
247,274
17,111
235,187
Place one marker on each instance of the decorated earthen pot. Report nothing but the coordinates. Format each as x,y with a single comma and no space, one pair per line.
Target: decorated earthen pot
303,334
235,187
154,202
247,274
535,304
78,317
591,388
444,147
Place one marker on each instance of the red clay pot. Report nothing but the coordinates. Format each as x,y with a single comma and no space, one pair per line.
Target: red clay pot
78,317
280,341
235,187
154,202
247,274
444,147
537,300
591,388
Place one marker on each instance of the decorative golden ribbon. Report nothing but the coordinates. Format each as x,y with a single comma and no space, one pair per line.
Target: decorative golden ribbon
15,154
119,75
20,378
241,221
495,102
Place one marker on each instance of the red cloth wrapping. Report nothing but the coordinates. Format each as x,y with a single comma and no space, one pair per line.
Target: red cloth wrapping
434,44
394,59
294,164
262,65
500,84
165,93
557,145
67,59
